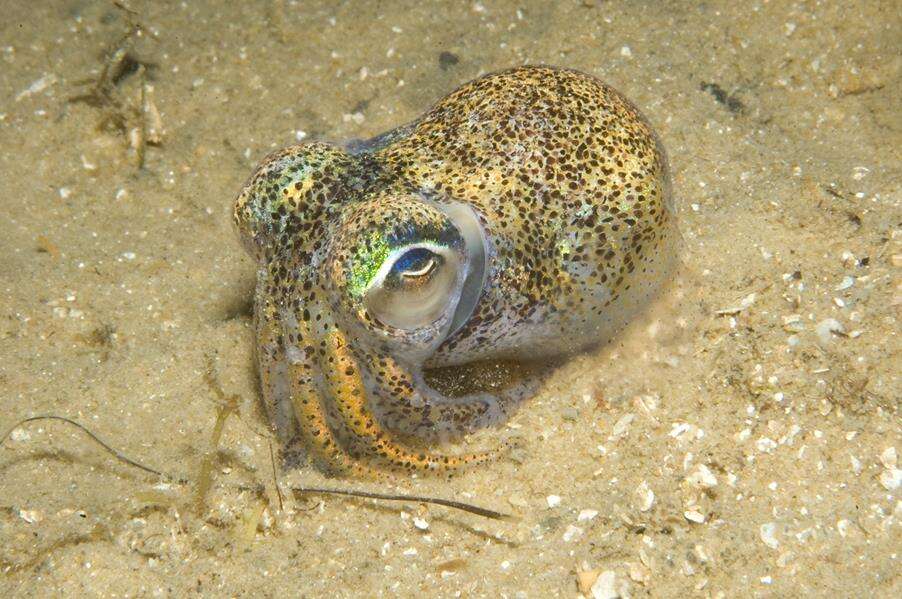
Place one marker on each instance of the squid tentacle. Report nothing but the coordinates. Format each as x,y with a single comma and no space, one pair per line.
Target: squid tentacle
413,407
346,389
315,389
289,376
318,436
273,373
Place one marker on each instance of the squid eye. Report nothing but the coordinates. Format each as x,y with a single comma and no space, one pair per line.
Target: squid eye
416,266
415,287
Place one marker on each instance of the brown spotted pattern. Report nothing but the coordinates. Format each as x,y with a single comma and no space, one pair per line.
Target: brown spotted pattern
570,189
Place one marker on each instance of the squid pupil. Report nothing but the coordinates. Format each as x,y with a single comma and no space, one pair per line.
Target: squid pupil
415,262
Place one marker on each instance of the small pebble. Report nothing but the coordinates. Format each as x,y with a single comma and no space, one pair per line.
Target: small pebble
891,479
842,526
572,532
645,497
421,524
846,283
605,586
768,534
744,304
31,516
702,477
553,500
826,328
586,515
694,515
622,425
765,445
20,434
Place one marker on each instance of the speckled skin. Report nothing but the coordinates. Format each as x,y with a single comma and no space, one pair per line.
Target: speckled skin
570,190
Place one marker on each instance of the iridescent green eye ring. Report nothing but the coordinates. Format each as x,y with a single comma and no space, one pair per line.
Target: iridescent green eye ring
367,263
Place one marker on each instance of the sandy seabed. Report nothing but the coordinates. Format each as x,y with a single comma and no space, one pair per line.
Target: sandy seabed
739,440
